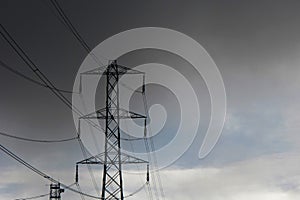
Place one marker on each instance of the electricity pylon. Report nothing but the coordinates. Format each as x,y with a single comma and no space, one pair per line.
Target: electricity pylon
55,191
112,158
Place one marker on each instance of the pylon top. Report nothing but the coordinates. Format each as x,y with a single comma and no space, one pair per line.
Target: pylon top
120,70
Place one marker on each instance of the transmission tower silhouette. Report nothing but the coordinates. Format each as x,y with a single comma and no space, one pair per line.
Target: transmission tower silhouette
112,158
55,191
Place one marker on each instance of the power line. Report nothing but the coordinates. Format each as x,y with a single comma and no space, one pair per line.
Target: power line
84,151
79,189
44,175
150,161
37,140
152,145
38,196
5,34
21,53
70,27
68,24
74,31
34,197
132,148
35,69
4,65
40,173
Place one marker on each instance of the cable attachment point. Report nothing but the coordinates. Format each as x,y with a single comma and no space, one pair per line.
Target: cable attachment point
76,174
148,177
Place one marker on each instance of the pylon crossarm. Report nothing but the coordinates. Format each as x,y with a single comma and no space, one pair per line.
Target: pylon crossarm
96,71
123,114
120,71
125,159
126,70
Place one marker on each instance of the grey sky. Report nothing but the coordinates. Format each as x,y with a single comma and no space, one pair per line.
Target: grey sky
256,46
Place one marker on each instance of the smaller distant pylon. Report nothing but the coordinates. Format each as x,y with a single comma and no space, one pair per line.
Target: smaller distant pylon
55,191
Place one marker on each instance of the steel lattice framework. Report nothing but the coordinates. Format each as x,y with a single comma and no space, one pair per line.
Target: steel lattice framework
55,191
112,158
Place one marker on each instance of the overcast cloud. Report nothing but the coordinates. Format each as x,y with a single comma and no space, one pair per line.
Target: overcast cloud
256,46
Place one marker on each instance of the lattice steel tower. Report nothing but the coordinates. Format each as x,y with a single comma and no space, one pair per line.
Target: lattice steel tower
112,158
55,191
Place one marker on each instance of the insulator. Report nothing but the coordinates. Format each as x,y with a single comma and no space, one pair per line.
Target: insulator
148,177
144,87
145,128
76,175
79,128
